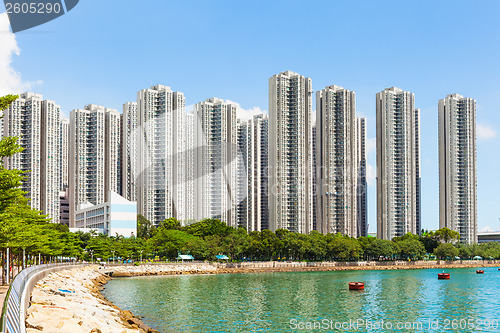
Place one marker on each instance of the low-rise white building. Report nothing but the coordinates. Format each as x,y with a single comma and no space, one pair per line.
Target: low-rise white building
115,217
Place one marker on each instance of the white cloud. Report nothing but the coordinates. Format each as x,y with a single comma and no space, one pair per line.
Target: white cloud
485,132
371,174
10,80
246,114
371,145
487,229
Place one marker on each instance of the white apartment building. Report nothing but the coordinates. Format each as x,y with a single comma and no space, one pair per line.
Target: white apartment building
37,124
259,171
458,166
64,151
190,168
112,157
244,175
161,172
362,182
216,160
290,152
340,154
314,176
94,158
398,164
115,217
129,150
252,173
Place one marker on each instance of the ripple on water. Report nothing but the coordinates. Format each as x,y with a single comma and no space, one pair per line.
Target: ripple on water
267,302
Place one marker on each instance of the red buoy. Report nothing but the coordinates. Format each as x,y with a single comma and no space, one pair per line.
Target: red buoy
479,271
356,286
443,276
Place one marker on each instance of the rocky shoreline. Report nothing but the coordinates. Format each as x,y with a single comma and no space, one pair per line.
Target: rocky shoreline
71,300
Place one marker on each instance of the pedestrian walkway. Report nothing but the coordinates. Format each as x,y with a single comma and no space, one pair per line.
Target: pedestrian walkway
3,293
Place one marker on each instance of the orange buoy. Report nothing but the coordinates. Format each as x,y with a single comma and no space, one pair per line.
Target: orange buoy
443,276
356,286
479,271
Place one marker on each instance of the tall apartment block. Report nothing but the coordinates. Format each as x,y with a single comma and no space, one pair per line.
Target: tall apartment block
362,194
129,154
37,124
458,166
190,168
161,172
252,175
64,151
259,188
216,160
340,157
244,175
94,158
290,152
398,164
314,176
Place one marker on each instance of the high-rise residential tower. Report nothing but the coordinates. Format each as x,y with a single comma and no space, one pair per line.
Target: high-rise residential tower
362,183
130,151
259,188
252,175
290,152
64,151
37,124
458,166
244,175
161,172
94,158
216,160
398,164
340,158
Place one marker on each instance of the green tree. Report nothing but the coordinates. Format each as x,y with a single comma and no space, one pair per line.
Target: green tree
144,227
411,248
446,235
446,250
381,248
171,224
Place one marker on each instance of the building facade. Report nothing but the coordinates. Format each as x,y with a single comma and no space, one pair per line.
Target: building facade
64,151
290,152
94,158
398,164
161,172
252,174
129,153
115,217
340,157
216,160
37,124
362,195
458,166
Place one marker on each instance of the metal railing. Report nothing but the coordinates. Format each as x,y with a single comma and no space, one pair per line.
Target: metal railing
18,296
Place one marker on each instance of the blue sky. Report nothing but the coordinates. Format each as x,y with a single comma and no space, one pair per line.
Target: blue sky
103,52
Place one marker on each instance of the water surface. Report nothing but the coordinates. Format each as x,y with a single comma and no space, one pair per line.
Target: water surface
289,301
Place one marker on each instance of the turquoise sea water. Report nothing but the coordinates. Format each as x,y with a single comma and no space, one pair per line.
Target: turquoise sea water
315,301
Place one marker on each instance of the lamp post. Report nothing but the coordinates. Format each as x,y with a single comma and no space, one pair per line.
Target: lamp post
8,265
113,251
92,254
141,255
